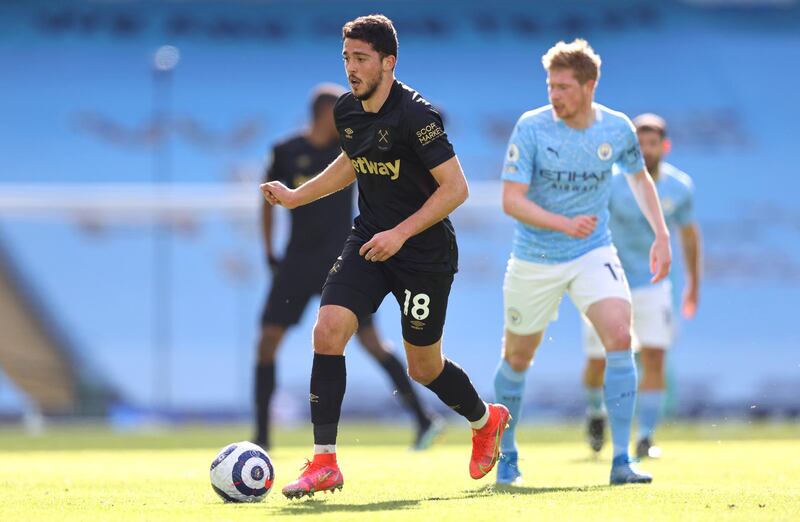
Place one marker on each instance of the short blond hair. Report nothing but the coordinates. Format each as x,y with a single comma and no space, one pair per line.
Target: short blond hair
577,56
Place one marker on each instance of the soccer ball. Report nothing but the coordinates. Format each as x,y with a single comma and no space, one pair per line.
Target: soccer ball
242,472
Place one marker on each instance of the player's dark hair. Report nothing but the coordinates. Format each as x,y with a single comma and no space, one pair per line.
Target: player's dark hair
658,130
376,30
324,95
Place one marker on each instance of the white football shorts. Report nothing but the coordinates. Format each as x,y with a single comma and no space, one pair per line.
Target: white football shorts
532,292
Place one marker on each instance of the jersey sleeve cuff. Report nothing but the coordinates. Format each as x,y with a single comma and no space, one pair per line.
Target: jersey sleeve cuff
436,160
517,177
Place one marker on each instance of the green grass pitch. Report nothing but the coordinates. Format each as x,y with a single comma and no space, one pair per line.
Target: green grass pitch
708,472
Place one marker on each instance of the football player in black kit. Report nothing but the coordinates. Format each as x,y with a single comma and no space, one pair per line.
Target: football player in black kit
318,232
409,181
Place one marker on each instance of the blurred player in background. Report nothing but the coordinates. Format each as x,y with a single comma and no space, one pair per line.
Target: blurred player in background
409,181
318,232
556,184
652,304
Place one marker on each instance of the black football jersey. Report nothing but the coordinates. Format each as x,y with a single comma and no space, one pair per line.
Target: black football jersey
324,224
393,152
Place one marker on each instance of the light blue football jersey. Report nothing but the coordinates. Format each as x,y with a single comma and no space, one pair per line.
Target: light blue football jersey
630,230
569,172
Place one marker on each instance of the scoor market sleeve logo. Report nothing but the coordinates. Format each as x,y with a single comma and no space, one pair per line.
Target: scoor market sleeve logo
429,132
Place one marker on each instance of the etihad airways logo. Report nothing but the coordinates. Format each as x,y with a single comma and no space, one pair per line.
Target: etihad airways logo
364,166
573,181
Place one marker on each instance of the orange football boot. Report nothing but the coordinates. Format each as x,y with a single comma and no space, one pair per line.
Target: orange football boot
486,441
321,474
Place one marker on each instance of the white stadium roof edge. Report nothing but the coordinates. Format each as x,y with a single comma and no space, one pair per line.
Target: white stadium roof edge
143,202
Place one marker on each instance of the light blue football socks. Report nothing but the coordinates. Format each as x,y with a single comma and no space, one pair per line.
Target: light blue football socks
649,404
620,397
509,385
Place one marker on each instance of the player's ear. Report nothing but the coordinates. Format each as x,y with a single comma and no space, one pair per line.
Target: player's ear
590,85
666,145
389,62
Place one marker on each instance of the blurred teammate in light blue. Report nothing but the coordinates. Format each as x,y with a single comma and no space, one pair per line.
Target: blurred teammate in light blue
556,184
652,303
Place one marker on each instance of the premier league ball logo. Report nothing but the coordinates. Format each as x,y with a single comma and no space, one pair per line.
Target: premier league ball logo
242,472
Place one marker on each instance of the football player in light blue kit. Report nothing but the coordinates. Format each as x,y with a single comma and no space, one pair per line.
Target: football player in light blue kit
652,304
556,184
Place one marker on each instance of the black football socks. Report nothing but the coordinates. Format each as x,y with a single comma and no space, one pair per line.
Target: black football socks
328,380
402,384
454,388
264,387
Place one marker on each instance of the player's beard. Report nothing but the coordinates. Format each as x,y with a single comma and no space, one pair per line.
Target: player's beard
652,164
371,87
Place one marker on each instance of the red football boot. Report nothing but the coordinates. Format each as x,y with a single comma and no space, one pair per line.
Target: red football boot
321,474
486,441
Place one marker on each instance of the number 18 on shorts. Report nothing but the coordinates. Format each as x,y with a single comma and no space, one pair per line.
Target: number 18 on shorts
361,286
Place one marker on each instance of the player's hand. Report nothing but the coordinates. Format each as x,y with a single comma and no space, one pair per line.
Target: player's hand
276,193
689,306
580,227
382,246
660,258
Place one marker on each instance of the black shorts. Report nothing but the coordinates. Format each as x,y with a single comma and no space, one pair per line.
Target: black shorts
294,283
360,285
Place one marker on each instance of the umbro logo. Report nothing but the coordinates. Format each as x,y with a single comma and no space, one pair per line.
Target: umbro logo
348,133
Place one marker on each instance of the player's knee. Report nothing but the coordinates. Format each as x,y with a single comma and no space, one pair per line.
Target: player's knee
519,350
329,338
424,372
618,339
421,375
519,361
271,336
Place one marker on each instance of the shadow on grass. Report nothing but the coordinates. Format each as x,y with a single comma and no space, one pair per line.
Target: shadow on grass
590,459
525,490
320,505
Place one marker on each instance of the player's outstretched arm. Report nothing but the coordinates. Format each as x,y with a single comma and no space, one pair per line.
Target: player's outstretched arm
692,253
517,205
334,178
452,192
644,191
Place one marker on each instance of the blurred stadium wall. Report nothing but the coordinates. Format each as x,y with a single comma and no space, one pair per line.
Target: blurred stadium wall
80,105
